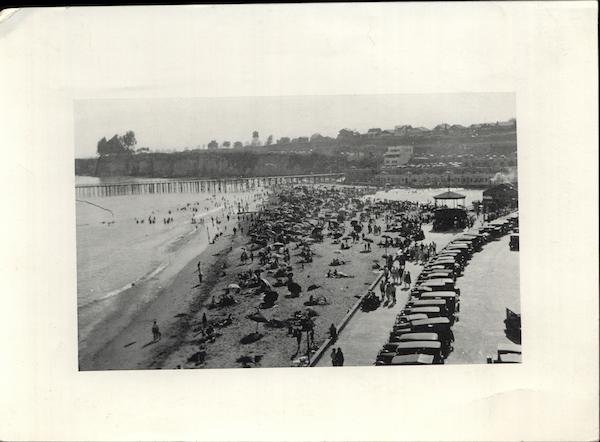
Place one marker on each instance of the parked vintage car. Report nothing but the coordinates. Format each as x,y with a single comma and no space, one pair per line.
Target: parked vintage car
450,297
414,359
438,284
514,242
430,311
506,354
512,325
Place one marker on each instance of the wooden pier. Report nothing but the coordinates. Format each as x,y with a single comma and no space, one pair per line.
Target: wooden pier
200,186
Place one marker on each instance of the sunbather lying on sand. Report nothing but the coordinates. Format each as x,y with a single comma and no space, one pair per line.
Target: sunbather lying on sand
336,274
337,262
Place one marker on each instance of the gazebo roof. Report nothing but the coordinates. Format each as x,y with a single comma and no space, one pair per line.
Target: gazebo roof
449,195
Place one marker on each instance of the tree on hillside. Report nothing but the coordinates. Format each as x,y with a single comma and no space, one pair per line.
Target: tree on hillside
269,140
226,144
238,144
213,145
283,140
117,144
128,140
102,146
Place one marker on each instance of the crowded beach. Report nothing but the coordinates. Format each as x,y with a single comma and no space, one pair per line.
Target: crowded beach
281,278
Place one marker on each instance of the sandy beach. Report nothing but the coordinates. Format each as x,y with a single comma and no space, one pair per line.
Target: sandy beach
172,297
124,266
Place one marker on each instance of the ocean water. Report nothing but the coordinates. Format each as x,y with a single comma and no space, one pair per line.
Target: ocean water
114,251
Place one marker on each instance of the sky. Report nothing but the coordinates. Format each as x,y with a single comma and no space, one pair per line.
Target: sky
178,123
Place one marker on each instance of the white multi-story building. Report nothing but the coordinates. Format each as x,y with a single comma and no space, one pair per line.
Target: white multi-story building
397,156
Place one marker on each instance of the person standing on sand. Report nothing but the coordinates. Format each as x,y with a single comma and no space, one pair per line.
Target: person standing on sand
199,273
339,358
156,335
298,336
333,357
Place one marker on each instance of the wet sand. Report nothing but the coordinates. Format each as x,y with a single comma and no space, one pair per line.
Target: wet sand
145,258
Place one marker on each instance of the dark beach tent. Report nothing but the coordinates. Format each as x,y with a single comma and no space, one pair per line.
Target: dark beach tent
294,288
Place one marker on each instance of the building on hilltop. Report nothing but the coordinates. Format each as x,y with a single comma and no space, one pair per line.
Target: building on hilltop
255,140
406,130
397,156
374,132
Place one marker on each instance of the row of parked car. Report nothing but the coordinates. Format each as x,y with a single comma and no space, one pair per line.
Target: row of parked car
422,333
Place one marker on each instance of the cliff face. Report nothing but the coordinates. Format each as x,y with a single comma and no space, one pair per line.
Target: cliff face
209,164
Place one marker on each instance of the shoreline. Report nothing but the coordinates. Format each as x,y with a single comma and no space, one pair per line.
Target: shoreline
173,293
109,319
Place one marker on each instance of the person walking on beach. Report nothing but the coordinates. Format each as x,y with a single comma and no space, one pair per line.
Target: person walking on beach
339,358
199,273
156,335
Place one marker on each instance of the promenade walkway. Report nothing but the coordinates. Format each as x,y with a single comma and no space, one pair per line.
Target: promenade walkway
366,332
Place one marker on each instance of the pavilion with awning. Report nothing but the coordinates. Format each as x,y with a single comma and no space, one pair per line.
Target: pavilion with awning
456,199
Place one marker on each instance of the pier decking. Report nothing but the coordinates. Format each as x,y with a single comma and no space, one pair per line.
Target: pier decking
200,186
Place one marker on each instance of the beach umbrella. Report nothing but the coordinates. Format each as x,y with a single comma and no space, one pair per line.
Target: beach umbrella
266,283
233,286
278,244
368,240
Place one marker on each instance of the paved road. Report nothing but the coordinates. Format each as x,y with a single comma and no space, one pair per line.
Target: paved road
489,285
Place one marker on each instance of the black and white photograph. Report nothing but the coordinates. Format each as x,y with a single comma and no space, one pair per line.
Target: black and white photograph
297,231
347,221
